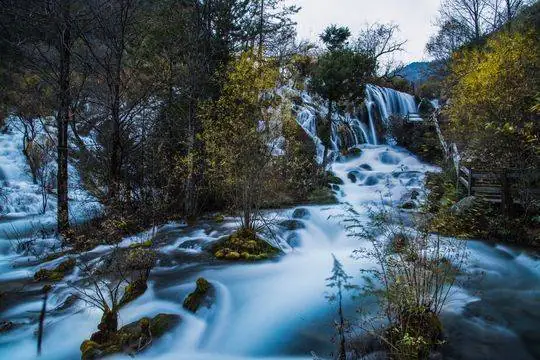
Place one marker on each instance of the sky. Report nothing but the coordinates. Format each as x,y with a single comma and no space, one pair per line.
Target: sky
415,18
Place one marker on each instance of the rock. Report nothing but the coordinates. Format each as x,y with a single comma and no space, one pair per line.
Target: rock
371,181
219,218
57,273
191,244
293,240
133,291
414,195
203,295
322,196
130,339
352,177
366,167
408,205
301,213
5,326
334,180
142,245
388,158
292,225
243,244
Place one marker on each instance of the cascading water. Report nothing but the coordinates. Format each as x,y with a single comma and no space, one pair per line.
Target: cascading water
277,309
353,130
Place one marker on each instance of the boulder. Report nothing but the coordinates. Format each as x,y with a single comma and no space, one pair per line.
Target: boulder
204,294
292,225
301,213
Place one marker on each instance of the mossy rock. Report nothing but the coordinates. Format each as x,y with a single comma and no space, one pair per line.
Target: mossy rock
322,196
333,179
352,152
243,244
130,337
57,273
142,245
219,218
133,291
203,295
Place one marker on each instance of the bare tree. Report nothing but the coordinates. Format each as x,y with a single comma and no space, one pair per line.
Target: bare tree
450,37
470,14
380,41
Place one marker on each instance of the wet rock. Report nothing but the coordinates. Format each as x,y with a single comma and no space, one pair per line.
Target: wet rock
408,205
388,158
322,196
293,240
243,244
219,218
191,244
133,291
352,177
366,167
371,181
57,273
142,245
414,194
6,326
301,213
292,225
130,339
69,302
204,294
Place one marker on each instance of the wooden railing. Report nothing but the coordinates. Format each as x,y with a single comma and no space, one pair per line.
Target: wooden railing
504,186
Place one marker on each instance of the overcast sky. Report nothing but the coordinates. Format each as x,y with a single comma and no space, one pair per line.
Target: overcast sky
414,17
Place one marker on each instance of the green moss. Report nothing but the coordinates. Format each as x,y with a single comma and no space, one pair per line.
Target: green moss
219,218
322,196
194,300
130,337
57,273
243,244
333,179
133,291
143,245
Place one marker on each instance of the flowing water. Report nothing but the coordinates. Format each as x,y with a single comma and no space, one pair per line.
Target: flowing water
277,309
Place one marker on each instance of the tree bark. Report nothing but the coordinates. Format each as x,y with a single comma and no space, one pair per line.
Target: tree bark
63,118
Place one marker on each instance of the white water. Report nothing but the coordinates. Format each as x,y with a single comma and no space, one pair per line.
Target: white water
277,310
349,130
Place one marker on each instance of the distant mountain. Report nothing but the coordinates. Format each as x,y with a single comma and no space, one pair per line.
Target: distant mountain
418,72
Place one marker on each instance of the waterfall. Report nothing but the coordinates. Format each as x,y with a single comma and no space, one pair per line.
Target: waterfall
360,127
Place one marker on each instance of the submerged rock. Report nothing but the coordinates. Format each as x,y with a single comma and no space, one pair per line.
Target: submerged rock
6,326
388,158
301,213
366,167
292,225
371,181
204,294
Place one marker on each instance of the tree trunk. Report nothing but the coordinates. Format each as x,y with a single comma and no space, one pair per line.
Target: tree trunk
342,350
261,29
63,118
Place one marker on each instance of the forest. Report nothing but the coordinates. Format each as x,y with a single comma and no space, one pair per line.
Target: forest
191,179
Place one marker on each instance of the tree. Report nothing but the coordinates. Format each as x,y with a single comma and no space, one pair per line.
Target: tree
335,38
471,15
341,282
340,74
492,91
449,38
237,133
379,40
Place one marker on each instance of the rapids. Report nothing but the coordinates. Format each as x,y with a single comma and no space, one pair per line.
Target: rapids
277,309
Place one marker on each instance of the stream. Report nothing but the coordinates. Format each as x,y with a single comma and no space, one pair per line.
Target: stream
278,309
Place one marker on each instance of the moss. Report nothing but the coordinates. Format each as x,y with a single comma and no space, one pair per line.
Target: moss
143,245
130,337
333,179
243,244
194,300
133,291
219,218
352,152
322,196
57,273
